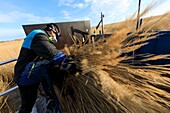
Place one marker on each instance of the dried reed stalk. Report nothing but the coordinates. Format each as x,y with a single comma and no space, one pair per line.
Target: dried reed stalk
108,86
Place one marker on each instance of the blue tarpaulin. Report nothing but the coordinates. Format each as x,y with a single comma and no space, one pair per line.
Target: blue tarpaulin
159,45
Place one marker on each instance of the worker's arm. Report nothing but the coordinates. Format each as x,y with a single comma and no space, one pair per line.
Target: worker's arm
47,50
41,45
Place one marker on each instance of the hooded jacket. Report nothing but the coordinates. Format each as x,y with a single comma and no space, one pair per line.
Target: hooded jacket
35,45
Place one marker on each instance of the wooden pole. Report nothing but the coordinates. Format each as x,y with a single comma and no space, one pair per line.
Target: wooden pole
137,28
102,16
138,16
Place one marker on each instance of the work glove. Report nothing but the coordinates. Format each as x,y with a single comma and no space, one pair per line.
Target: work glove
65,63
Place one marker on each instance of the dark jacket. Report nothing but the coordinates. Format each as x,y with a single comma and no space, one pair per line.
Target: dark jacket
35,45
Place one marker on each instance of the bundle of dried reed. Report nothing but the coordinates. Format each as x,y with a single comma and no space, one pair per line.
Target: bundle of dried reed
108,86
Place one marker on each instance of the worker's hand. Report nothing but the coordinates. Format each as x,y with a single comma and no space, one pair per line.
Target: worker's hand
65,62
69,66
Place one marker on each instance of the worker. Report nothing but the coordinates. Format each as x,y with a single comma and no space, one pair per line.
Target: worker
39,44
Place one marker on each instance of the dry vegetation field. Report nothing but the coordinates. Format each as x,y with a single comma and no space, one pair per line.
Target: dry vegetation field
108,85
8,50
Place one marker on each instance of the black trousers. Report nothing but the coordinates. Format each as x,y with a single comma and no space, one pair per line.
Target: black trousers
28,97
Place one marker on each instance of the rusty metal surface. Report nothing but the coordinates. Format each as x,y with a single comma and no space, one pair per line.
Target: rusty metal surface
66,32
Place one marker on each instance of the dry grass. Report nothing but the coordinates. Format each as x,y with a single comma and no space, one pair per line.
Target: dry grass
108,86
9,50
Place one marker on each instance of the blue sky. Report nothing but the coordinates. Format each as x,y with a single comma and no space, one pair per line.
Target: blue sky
15,13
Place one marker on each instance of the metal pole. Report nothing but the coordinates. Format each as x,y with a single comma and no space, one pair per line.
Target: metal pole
11,89
138,16
102,16
137,27
8,91
8,61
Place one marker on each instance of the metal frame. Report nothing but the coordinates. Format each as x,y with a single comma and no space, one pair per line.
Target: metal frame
13,88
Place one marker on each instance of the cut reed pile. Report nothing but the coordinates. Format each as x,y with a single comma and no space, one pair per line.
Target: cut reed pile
108,86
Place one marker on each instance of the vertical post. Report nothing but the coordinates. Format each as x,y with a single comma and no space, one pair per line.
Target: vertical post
137,28
102,16
138,16
93,37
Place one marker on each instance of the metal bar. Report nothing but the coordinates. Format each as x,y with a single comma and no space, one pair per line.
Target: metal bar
8,61
8,91
11,89
98,24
